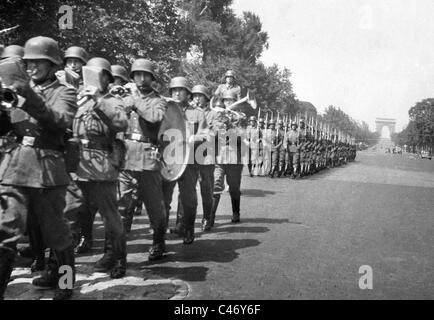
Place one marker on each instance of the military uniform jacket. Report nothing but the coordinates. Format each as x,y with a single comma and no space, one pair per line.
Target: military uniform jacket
198,132
96,125
145,113
37,159
222,88
292,140
253,135
211,117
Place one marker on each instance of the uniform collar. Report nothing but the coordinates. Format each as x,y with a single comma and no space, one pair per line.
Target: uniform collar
147,95
44,86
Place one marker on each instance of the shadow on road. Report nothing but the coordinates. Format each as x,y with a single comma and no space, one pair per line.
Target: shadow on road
206,250
256,193
185,274
241,230
227,220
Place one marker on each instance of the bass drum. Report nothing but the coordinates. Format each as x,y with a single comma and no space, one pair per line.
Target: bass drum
174,147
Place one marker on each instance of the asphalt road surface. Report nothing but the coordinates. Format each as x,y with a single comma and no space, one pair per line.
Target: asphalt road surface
303,239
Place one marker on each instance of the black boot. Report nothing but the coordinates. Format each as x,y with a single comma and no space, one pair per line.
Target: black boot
7,258
189,236
50,277
38,263
235,210
215,204
86,224
108,260
119,268
156,252
65,258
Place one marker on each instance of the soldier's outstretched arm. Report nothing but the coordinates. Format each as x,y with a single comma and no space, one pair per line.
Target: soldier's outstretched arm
59,115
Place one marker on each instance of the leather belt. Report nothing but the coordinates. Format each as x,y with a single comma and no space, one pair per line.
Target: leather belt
96,145
34,142
138,137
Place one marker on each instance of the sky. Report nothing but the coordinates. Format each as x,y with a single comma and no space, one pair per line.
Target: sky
370,58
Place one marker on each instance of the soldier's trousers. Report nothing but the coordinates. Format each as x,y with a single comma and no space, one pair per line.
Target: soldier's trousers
233,174
149,188
274,160
282,158
80,215
206,183
187,191
102,196
18,203
266,164
128,197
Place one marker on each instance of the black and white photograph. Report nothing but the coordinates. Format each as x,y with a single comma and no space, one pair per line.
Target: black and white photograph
216,154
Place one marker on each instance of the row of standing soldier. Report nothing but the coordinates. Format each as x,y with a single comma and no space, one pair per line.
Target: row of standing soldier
72,151
290,150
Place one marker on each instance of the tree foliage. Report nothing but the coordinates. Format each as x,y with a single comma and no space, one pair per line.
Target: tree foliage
420,130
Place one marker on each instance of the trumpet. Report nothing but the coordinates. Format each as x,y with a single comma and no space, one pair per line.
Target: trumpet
8,98
120,91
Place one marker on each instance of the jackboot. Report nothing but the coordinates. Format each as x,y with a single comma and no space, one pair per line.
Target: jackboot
189,236
156,252
215,204
235,210
119,268
7,258
65,258
108,260
50,277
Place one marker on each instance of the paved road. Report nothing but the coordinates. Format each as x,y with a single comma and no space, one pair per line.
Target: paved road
298,240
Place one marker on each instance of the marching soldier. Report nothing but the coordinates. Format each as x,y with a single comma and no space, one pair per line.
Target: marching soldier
81,221
98,120
121,80
261,131
205,161
250,132
282,148
229,163
141,173
276,140
32,173
229,85
292,142
195,117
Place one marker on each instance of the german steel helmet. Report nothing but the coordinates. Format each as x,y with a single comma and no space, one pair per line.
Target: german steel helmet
13,51
179,82
293,123
201,89
230,73
228,94
76,52
272,121
42,48
143,65
261,120
252,118
119,71
101,63
280,122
